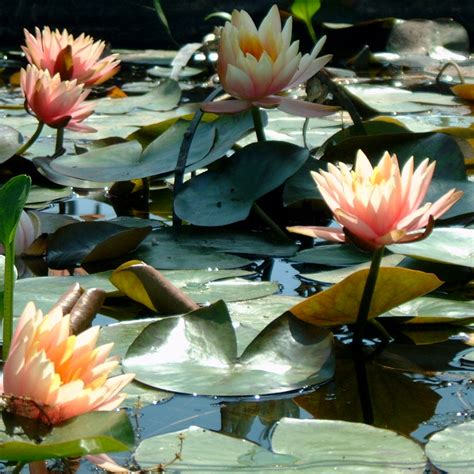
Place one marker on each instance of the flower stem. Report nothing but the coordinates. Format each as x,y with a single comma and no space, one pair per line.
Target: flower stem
32,139
59,141
366,299
258,124
9,283
270,222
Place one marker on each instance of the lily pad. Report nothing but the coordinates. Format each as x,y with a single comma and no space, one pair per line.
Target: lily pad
163,97
21,439
340,303
451,449
42,195
200,285
316,446
10,142
226,195
432,310
197,353
169,255
332,255
448,245
84,242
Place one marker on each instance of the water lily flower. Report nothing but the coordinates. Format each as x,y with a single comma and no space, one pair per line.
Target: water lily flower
52,376
71,58
54,102
378,206
256,66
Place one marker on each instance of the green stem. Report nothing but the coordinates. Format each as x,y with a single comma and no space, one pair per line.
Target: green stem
59,140
269,221
9,283
367,295
258,124
32,139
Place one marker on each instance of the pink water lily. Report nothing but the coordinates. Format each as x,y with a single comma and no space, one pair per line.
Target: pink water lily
256,66
378,206
72,58
54,102
52,375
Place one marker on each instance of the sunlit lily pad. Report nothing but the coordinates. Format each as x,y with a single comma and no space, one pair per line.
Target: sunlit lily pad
141,283
10,141
163,97
316,446
197,353
226,195
92,433
340,303
432,310
199,285
449,245
451,449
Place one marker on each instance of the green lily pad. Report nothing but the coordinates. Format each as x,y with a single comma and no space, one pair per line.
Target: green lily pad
42,195
84,242
448,245
432,310
316,446
10,142
125,161
21,439
175,256
340,303
332,255
226,195
441,147
451,448
203,286
336,276
197,353
163,97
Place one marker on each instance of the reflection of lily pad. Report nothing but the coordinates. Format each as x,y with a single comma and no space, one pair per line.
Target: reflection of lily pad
313,446
197,353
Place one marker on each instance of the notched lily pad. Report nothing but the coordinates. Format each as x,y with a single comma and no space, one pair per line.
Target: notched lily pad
226,195
197,353
316,446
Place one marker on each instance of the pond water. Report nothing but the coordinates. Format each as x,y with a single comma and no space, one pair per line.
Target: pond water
414,389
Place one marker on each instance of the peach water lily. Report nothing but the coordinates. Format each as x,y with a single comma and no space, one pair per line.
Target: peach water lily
52,375
257,66
72,58
54,102
378,206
